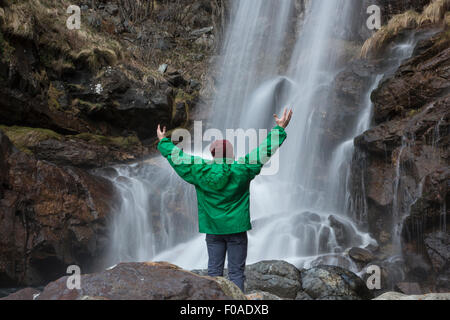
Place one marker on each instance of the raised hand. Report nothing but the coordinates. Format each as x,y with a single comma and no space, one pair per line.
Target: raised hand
161,134
284,121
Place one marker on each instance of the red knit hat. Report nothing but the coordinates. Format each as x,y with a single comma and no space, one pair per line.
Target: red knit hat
222,149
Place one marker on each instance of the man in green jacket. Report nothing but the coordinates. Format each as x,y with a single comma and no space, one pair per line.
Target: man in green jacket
223,194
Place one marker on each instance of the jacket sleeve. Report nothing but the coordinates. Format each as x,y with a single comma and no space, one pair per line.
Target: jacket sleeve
181,162
257,158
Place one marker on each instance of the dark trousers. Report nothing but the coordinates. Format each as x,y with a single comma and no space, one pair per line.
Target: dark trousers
235,245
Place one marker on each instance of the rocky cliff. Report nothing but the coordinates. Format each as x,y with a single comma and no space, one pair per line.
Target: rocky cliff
73,100
401,165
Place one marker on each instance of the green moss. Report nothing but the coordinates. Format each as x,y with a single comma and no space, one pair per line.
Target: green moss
182,96
412,113
87,106
53,97
120,142
25,137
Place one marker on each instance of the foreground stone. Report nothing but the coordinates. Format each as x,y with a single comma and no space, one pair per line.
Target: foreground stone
279,278
275,279
142,281
334,283
165,281
400,296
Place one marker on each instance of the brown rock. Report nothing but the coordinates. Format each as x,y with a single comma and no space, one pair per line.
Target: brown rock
416,83
361,255
404,157
438,249
50,217
139,281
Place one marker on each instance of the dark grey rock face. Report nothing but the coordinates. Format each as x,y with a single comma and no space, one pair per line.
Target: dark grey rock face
334,283
277,277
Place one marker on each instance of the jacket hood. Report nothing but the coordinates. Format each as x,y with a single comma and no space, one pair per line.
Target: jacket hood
215,176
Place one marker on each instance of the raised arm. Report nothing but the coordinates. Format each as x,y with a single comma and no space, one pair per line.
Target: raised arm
181,162
257,158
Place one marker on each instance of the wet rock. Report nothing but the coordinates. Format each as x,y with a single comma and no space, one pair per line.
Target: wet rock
333,259
438,249
437,245
405,144
276,277
408,288
324,238
333,283
416,83
361,255
24,294
351,86
141,281
341,230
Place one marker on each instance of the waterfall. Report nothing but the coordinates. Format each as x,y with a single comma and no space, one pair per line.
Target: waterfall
296,216
271,58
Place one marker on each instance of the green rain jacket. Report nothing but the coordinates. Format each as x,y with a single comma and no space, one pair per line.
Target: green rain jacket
223,185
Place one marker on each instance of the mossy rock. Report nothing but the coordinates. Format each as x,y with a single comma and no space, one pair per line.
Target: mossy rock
183,96
54,95
25,138
96,58
119,142
375,45
86,106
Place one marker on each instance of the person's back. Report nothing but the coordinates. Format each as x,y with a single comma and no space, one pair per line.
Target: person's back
223,194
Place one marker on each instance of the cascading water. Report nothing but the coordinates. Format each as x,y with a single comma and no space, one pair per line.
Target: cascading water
296,216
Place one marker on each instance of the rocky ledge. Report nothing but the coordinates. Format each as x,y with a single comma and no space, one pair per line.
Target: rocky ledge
266,280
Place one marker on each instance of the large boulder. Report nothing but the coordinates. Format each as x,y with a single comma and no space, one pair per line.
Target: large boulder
276,277
50,217
334,283
138,281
